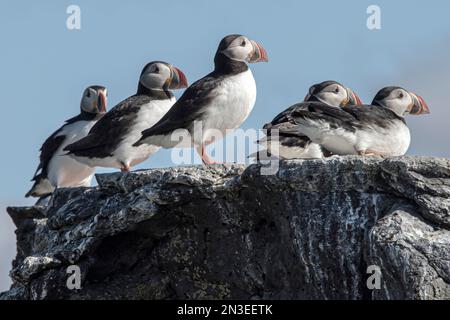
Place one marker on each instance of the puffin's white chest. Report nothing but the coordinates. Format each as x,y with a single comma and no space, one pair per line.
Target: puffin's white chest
391,141
63,171
148,115
233,101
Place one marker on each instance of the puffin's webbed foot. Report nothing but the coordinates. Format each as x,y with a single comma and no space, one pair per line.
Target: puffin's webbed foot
125,168
370,153
205,158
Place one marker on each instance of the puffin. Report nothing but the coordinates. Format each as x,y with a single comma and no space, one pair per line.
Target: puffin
110,141
378,129
216,103
293,145
56,170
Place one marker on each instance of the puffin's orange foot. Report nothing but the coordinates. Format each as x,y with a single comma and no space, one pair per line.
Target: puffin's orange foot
369,153
125,168
205,158
212,162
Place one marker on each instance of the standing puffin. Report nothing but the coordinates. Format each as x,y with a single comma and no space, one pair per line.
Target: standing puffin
220,101
293,145
56,170
377,129
110,141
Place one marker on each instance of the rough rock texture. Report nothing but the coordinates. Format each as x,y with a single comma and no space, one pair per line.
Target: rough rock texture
308,232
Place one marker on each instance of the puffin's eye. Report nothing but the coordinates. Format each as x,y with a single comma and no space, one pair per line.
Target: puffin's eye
243,43
400,95
156,70
88,93
336,90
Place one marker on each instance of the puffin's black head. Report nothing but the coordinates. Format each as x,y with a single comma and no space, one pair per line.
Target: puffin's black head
333,93
94,100
401,101
239,48
159,75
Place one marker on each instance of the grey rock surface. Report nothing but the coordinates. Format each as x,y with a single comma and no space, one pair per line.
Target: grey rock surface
310,231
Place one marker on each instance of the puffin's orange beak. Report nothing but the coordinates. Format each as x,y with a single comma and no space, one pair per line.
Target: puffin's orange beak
353,98
419,106
259,53
178,79
102,102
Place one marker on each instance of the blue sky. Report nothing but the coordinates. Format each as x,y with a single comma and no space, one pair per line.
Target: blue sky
45,67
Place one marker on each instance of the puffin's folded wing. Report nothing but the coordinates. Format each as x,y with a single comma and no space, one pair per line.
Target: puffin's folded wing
104,135
287,135
369,115
320,112
189,108
285,124
286,129
285,116
48,150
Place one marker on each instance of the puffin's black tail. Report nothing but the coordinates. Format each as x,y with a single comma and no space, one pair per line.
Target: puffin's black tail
42,187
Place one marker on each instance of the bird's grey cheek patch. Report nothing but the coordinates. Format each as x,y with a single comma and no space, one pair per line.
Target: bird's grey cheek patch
237,53
152,81
227,52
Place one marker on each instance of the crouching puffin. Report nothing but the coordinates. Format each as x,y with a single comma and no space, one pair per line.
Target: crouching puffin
377,129
220,101
56,170
110,141
292,144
